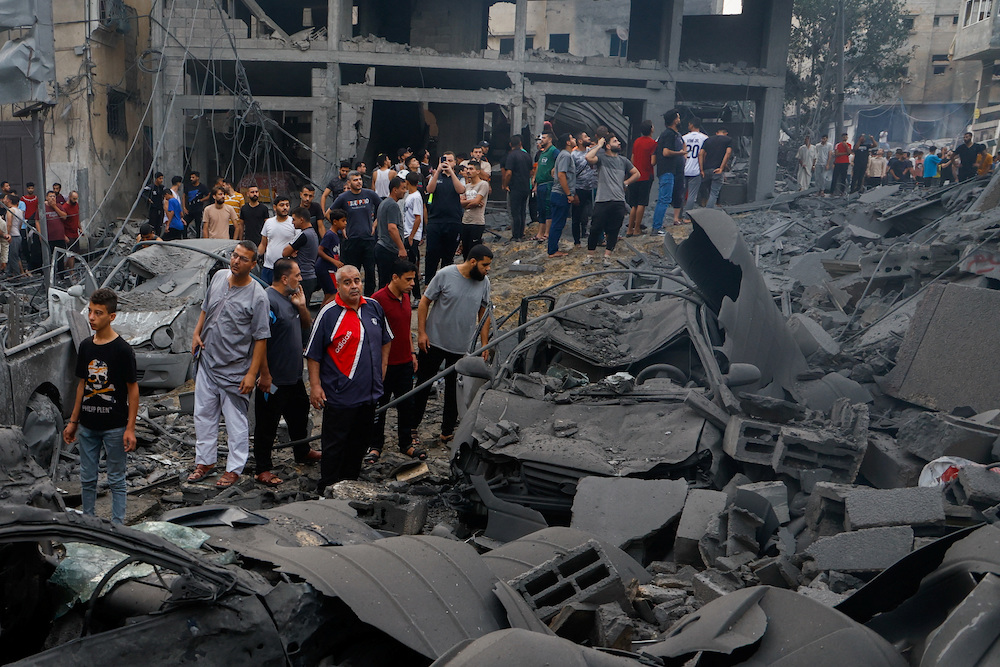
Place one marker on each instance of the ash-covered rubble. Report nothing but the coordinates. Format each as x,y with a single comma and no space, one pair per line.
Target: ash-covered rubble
772,445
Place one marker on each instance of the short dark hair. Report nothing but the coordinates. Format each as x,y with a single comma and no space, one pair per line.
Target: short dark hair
395,183
308,188
282,267
646,128
401,152
564,139
281,198
695,122
158,174
358,164
194,173
413,178
338,214
13,198
403,266
250,245
56,185
480,252
218,188
474,163
302,212
105,297
174,180
515,141
29,184
146,229
345,164
670,116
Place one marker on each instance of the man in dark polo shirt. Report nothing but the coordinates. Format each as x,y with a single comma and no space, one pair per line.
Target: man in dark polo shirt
395,301
445,221
347,356
358,248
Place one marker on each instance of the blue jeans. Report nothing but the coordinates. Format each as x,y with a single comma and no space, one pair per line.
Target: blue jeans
560,211
664,198
90,443
267,275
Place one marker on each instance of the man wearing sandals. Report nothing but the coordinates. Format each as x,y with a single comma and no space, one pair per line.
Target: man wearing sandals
229,344
347,356
395,301
280,391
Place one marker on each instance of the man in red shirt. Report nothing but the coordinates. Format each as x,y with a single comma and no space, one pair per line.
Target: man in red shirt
55,228
395,301
31,248
637,197
71,225
841,163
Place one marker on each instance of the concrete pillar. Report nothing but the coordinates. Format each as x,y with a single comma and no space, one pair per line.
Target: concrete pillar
520,28
653,109
985,85
764,151
517,102
777,29
338,22
670,33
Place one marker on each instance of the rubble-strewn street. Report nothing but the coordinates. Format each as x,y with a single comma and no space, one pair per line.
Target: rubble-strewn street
773,435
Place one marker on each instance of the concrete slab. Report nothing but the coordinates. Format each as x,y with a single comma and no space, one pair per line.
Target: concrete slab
932,435
869,550
945,360
625,511
702,506
977,486
887,465
915,506
811,336
776,493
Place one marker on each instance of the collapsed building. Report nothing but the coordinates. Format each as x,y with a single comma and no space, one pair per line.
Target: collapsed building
346,80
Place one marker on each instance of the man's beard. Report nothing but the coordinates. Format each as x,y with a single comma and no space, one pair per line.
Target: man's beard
476,274
614,151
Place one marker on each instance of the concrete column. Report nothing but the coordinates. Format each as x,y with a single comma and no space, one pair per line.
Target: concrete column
539,113
777,29
520,28
670,33
764,151
169,120
985,85
517,102
338,22
653,108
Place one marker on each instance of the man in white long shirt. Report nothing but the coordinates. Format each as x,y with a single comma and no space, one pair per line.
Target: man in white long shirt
806,158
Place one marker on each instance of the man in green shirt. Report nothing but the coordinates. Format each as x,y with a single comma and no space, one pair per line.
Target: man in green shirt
542,182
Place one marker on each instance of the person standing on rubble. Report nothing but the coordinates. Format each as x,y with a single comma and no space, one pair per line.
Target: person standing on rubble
280,391
452,305
56,230
967,152
715,155
841,163
670,152
360,205
824,164
195,197
219,217
277,233
153,194
336,186
347,356
563,194
304,249
806,160
15,223
175,223
229,345
586,182
517,183
614,174
862,151
444,224
253,214
106,405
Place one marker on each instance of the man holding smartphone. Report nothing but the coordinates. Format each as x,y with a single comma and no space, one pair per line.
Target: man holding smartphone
445,221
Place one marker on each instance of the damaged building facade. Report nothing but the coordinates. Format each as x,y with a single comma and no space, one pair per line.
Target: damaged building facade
978,42
339,80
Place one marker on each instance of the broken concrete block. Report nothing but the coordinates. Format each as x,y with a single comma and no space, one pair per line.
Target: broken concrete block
630,513
667,613
826,509
806,449
658,595
397,513
775,493
810,336
751,441
770,409
707,409
944,361
868,550
741,531
931,435
526,268
613,628
887,465
809,478
977,486
583,574
701,506
822,595
914,506
821,394
733,563
712,584
777,571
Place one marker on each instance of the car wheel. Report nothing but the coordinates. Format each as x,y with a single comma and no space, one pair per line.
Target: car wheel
42,426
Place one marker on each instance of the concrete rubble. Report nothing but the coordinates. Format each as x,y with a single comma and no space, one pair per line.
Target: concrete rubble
724,449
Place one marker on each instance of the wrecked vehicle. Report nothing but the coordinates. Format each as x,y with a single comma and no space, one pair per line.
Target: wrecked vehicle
582,394
160,290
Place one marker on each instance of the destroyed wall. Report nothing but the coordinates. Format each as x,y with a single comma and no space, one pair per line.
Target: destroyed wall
100,98
590,25
449,26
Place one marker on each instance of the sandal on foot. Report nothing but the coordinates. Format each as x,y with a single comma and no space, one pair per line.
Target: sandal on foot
268,479
371,457
416,453
227,480
201,471
446,438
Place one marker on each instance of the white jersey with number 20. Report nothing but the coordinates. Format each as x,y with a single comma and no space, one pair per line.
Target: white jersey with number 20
694,141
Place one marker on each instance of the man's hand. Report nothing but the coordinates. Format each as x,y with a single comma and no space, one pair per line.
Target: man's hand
402,253
298,298
317,397
264,382
414,363
246,385
423,342
717,171
486,356
196,343
69,433
128,439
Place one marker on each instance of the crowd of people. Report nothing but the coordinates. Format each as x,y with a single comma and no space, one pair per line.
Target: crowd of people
22,222
845,168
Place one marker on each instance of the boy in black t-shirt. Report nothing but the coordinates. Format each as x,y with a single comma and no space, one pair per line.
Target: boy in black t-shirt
107,402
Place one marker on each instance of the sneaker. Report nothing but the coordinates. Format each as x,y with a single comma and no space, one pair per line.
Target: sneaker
662,232
588,260
606,261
